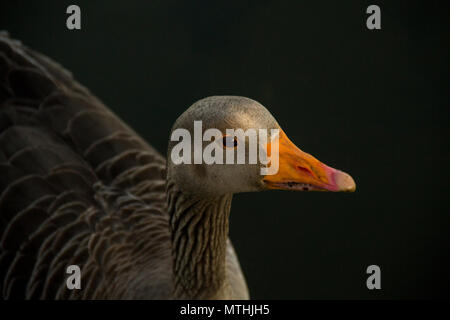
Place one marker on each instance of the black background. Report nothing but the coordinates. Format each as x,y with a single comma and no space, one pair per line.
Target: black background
371,103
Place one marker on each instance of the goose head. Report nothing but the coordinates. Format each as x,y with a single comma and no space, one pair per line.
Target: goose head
197,157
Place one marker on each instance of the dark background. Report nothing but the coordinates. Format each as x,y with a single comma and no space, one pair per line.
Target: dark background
371,103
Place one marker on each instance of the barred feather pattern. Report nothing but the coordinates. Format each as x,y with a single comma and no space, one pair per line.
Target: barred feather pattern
77,186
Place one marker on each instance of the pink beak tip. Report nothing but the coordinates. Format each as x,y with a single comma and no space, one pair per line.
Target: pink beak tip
344,182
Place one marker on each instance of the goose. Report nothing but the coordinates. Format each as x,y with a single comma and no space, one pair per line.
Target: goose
78,187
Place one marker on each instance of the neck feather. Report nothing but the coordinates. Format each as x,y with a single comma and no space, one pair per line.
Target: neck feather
199,243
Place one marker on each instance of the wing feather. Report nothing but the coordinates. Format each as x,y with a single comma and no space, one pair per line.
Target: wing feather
77,186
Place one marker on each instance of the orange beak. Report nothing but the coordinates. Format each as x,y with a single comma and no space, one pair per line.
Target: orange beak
301,171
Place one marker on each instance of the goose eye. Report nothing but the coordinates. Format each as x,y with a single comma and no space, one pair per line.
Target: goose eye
229,142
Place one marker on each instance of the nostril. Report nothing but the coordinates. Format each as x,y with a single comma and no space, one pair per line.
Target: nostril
305,170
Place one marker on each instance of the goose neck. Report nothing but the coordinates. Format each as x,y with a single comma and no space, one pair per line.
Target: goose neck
199,228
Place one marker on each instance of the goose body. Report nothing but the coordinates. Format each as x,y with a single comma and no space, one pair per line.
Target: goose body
79,187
